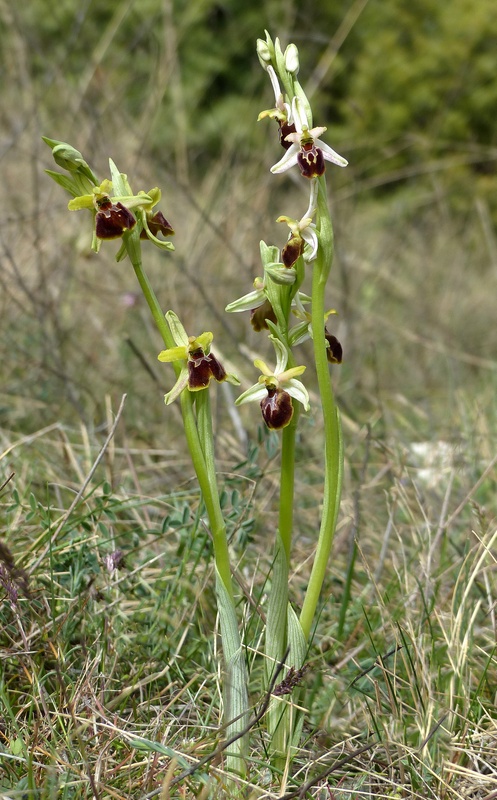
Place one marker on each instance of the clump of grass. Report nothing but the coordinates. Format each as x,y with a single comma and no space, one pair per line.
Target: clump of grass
108,675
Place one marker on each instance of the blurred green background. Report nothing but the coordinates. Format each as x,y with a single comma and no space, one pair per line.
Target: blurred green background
171,90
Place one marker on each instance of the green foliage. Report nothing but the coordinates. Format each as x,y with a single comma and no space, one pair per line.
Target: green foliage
422,87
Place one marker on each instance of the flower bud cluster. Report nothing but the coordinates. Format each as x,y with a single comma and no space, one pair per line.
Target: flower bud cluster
116,211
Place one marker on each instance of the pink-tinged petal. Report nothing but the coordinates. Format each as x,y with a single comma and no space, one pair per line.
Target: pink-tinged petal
331,155
288,161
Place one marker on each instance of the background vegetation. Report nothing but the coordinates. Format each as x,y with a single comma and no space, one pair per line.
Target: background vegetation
94,658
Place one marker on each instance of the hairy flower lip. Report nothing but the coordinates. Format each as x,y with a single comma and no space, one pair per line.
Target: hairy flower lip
277,408
112,220
334,350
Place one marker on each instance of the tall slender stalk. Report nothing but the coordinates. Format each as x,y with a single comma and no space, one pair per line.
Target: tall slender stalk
333,448
277,615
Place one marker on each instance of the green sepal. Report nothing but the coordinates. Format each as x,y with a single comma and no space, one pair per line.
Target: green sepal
64,181
120,183
81,201
178,332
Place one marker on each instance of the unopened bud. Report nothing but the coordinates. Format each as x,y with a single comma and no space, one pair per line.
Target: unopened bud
67,157
263,53
292,59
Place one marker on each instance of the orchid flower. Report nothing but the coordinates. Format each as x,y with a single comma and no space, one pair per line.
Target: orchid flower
303,329
281,112
307,150
302,232
275,389
199,366
113,215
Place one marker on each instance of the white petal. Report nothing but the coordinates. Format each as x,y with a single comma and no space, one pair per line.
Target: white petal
248,301
275,83
281,355
256,392
313,198
297,390
288,161
299,115
331,155
310,236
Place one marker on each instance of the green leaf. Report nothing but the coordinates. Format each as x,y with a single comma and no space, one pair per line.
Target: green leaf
148,746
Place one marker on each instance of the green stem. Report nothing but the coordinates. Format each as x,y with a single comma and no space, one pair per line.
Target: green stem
276,627
333,458
211,495
199,438
287,484
279,719
204,467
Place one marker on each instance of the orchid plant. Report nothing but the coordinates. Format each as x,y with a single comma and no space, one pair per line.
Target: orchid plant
277,305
